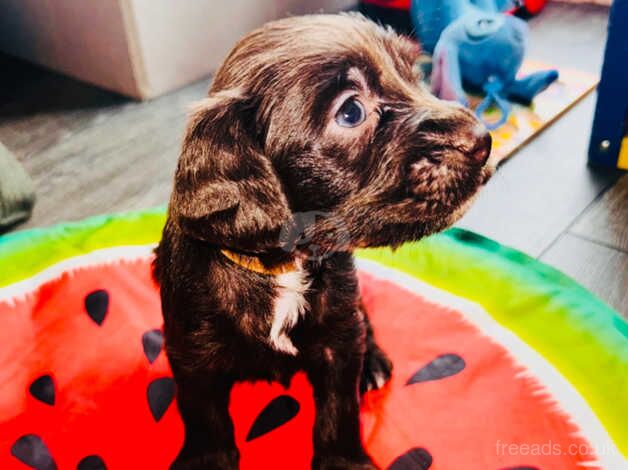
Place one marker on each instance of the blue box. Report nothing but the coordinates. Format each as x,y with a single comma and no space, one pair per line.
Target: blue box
609,136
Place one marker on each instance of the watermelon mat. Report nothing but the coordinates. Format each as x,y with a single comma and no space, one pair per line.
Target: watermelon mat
500,361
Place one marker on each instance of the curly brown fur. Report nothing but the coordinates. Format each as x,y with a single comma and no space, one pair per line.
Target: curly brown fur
264,151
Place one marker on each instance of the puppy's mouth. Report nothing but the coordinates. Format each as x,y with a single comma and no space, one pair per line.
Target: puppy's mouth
488,170
447,178
447,181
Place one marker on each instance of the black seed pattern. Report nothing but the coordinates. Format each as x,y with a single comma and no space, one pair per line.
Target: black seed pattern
32,451
278,412
525,467
43,389
160,394
443,366
91,462
152,342
415,459
97,305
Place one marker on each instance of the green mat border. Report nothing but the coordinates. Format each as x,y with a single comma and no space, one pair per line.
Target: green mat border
554,315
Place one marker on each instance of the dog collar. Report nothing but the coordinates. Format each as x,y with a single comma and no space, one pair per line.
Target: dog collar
253,263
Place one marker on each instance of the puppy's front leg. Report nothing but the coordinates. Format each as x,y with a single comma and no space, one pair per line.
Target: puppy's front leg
377,368
337,443
209,441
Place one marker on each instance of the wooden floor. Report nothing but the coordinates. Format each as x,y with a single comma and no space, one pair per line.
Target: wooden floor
92,152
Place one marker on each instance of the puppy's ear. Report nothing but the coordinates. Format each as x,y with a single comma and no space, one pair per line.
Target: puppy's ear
226,191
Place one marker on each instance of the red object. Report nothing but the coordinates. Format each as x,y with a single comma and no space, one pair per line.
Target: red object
84,379
399,4
533,7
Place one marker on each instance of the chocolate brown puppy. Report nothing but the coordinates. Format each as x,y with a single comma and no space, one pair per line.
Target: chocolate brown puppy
315,139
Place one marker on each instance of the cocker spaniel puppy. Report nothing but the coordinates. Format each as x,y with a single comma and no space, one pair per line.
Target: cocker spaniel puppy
315,139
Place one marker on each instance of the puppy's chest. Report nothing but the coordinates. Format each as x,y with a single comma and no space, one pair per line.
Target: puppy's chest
287,311
308,306
289,305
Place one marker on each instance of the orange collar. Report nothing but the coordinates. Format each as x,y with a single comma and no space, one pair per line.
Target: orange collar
253,263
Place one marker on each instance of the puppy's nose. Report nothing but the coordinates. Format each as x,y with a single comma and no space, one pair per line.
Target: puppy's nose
482,148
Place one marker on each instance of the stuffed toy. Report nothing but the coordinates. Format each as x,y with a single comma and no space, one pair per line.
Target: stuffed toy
473,43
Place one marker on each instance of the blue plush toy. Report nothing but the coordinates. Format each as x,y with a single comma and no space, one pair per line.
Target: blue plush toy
473,43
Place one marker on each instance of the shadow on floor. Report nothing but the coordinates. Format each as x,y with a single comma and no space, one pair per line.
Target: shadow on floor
45,91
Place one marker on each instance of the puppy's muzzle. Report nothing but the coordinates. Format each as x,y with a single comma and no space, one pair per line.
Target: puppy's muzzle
463,139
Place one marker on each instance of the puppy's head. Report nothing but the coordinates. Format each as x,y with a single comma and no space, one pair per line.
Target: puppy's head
323,114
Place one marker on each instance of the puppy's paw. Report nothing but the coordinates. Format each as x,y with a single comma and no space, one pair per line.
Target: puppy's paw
341,463
376,371
227,460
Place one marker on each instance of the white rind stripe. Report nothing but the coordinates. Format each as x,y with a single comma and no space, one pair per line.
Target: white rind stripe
561,391
17,290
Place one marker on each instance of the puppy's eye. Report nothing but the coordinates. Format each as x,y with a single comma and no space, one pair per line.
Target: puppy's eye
351,113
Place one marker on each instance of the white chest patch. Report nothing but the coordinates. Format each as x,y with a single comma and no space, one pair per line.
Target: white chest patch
290,305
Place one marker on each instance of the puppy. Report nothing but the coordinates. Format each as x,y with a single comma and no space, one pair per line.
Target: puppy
315,139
